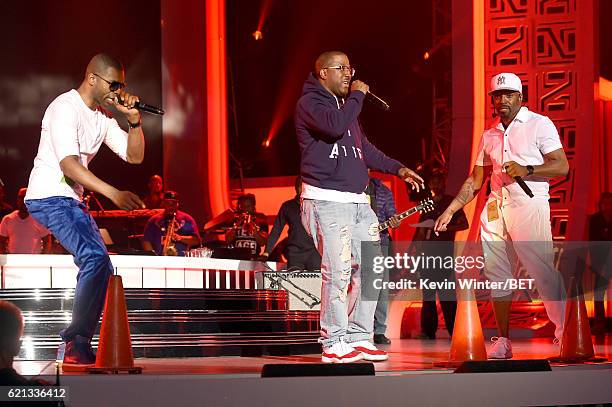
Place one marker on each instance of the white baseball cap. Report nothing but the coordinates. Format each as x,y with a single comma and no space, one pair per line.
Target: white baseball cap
506,81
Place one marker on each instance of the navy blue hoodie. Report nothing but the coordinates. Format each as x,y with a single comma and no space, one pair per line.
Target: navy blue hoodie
336,154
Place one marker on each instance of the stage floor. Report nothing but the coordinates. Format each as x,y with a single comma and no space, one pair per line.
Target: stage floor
409,377
406,356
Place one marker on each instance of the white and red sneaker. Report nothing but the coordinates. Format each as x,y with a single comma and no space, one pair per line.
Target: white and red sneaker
340,352
501,349
369,351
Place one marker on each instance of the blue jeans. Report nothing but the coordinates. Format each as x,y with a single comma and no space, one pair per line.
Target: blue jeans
382,306
338,230
71,224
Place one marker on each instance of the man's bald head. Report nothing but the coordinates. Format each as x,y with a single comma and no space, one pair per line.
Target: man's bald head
325,59
101,62
336,80
100,74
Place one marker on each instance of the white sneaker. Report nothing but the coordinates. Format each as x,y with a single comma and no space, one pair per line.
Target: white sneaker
340,352
369,351
501,349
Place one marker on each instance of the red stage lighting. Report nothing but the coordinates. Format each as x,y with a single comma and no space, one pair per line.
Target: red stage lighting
263,13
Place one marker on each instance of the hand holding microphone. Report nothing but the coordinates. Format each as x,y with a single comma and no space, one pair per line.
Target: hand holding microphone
517,172
126,102
362,87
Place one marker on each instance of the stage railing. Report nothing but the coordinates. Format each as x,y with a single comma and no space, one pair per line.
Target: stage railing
59,271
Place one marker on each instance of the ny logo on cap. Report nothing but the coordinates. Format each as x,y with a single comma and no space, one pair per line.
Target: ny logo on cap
501,80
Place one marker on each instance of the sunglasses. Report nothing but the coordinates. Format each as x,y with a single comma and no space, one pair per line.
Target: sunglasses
112,85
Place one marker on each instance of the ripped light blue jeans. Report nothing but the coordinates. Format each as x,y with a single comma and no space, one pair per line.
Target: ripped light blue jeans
348,301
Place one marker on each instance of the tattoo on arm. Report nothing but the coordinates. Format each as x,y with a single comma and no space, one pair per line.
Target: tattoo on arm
466,194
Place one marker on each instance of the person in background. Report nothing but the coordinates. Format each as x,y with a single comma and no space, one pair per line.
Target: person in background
300,250
250,229
5,207
383,204
600,232
153,200
11,330
21,233
186,232
441,244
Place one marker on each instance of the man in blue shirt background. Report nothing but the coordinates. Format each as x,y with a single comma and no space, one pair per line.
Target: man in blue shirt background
186,233
383,204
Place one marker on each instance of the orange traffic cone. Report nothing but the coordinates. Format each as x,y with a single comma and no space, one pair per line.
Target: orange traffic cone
115,345
467,343
576,344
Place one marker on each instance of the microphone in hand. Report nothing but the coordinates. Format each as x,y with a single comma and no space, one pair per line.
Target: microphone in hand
143,107
513,169
370,97
377,101
524,186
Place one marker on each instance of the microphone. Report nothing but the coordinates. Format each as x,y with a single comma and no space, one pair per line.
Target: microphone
523,186
143,107
378,101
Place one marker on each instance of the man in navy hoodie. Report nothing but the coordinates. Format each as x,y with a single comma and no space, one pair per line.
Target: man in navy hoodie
336,156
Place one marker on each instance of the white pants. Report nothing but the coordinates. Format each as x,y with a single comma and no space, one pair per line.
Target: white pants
522,232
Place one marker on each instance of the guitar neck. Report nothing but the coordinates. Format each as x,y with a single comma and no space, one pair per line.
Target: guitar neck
400,217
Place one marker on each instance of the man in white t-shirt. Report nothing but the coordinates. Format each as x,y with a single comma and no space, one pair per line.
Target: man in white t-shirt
20,233
513,225
73,129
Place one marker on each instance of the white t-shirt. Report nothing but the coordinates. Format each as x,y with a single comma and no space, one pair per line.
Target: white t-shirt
528,138
322,194
24,234
69,127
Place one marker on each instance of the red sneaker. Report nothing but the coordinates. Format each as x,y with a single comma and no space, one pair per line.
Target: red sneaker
369,351
340,352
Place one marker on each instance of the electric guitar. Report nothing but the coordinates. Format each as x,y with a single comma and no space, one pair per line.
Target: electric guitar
426,205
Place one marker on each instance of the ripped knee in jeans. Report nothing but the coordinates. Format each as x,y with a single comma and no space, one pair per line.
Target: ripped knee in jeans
345,279
373,232
345,240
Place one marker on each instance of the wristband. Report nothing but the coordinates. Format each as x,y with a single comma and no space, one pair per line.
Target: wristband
134,125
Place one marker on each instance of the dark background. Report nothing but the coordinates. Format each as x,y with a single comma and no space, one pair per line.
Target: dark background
46,45
385,42
45,48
